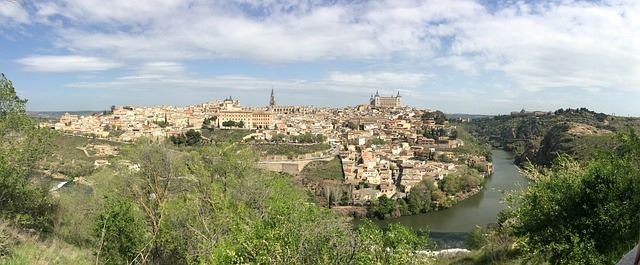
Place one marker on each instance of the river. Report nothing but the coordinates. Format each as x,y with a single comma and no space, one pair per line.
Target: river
450,226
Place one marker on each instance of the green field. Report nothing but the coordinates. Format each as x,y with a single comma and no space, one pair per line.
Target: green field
323,170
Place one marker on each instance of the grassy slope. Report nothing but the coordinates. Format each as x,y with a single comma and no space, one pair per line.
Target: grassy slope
323,170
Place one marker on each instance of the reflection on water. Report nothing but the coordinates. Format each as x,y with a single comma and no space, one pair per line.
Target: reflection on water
449,226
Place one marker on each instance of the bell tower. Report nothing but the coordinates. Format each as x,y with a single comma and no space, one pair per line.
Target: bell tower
272,100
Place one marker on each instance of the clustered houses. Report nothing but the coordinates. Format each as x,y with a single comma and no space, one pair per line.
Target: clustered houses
378,142
130,123
380,146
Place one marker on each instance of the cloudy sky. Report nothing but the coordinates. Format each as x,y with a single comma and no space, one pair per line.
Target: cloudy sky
457,56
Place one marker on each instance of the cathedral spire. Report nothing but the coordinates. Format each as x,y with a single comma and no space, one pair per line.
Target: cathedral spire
272,100
377,95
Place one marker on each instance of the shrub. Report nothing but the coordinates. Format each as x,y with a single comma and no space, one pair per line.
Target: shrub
120,232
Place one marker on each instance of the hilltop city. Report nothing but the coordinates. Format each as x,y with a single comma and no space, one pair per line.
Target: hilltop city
376,142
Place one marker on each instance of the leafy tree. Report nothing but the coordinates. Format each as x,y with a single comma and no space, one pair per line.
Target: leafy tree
419,199
384,207
120,231
463,180
192,137
377,141
151,191
278,138
163,123
22,144
438,116
454,134
395,245
583,214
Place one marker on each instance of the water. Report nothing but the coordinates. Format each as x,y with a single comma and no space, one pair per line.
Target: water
450,226
58,185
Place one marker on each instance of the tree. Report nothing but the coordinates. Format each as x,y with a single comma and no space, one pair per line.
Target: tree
384,207
395,245
278,138
192,137
151,192
454,134
582,214
419,199
120,231
22,144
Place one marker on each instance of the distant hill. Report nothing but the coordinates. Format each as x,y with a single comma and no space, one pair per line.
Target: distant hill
54,115
467,116
541,137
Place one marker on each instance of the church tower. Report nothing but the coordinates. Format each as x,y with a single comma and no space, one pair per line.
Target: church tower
272,100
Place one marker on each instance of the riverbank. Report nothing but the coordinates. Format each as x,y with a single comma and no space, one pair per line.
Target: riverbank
449,227
363,211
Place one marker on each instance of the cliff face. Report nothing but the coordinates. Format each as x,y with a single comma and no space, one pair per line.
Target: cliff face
574,139
541,138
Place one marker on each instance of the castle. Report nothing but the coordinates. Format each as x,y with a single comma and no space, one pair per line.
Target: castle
378,101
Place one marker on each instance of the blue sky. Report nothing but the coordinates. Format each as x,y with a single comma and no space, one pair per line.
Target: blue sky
468,56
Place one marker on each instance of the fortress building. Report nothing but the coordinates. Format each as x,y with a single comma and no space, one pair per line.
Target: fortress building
378,101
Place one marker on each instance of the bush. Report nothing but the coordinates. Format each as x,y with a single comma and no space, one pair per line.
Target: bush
6,244
78,168
190,138
120,231
575,214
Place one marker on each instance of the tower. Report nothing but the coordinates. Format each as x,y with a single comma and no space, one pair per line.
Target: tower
272,100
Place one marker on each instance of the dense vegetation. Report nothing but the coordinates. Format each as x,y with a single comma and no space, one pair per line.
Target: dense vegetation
540,138
22,145
190,138
600,199
573,213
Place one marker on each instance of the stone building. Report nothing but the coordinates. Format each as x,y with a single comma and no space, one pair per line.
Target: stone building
284,109
378,101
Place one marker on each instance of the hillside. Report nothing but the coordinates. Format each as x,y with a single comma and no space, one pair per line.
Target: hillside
540,137
574,139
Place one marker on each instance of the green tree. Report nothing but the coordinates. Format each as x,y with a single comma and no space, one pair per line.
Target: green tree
192,137
151,190
120,231
22,144
583,214
419,199
396,244
384,207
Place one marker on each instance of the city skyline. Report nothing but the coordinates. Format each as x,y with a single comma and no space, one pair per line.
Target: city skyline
480,57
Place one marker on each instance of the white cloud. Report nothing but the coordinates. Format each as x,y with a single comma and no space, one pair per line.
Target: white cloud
12,12
276,31
361,84
379,80
587,45
69,63
537,45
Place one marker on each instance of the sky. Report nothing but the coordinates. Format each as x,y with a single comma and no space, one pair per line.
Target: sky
458,56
